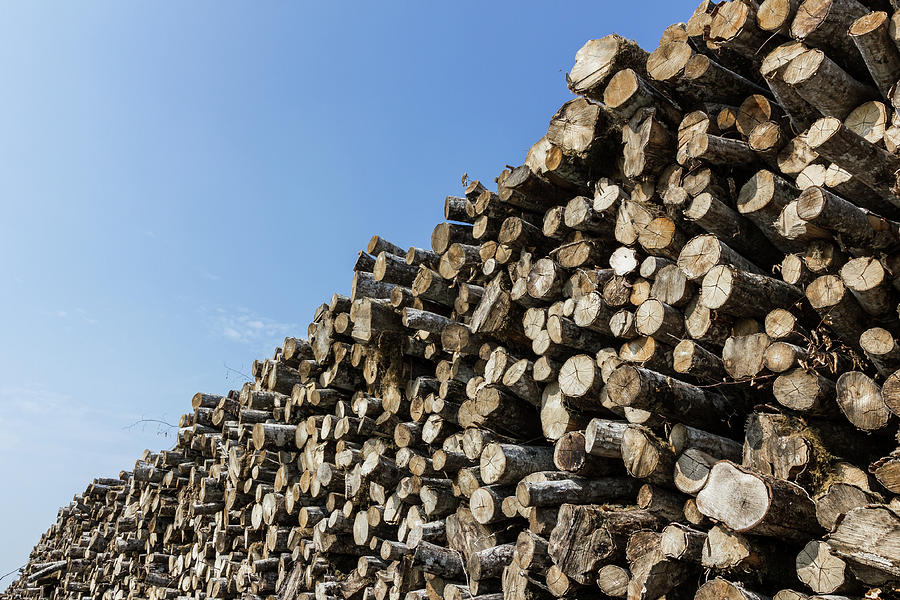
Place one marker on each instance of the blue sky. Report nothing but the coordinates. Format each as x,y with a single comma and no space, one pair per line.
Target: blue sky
182,184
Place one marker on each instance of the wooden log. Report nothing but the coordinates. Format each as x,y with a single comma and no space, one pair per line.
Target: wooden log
838,308
867,162
647,457
635,387
741,292
746,501
580,376
690,358
719,589
872,37
587,536
882,350
508,463
869,538
860,399
838,500
822,571
598,60
743,356
577,490
854,227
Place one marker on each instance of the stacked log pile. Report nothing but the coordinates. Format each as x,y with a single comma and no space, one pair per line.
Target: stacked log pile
658,359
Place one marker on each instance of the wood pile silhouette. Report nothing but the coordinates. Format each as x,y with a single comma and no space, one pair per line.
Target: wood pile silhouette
658,359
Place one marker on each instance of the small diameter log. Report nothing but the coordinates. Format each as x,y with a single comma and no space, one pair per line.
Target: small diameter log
598,60
603,438
704,325
647,457
570,455
577,490
743,356
822,571
782,356
871,34
531,552
690,358
743,293
703,252
860,399
762,199
867,280
735,553
273,435
488,563
438,560
545,279
854,226
635,387
592,313
508,463
837,306
566,332
883,351
682,542
691,470
682,437
867,162
580,376
840,499
613,581
825,85
654,318
486,503
745,501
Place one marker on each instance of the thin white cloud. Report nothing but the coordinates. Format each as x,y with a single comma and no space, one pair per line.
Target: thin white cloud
65,313
243,326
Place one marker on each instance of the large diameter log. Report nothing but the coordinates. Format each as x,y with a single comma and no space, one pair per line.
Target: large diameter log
598,60
586,537
745,501
869,539
635,387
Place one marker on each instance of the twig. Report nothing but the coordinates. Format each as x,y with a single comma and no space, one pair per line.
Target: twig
18,570
157,421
